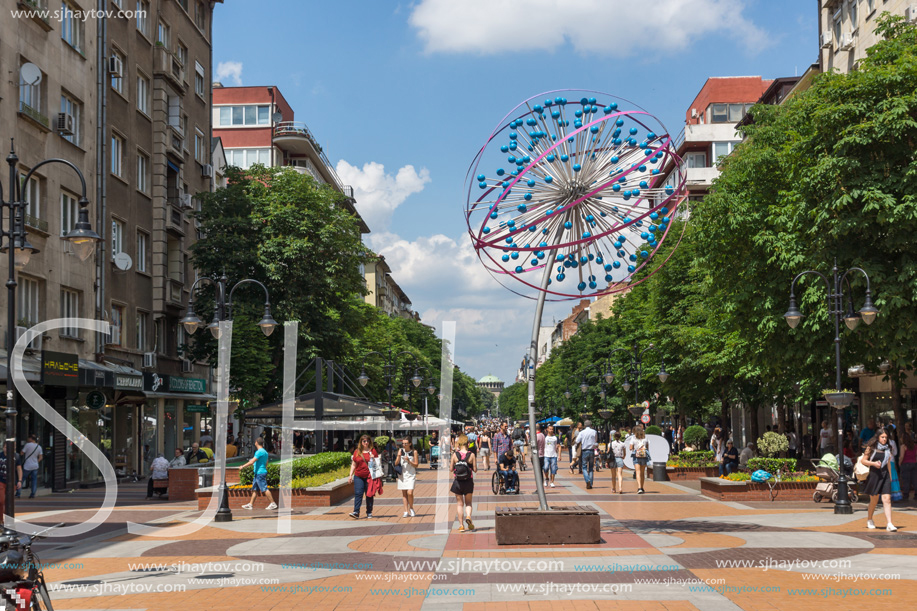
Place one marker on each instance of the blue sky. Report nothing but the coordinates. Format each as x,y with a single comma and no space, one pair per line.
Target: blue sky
403,95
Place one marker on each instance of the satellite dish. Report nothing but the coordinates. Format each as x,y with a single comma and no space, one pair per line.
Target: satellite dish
30,74
123,261
277,117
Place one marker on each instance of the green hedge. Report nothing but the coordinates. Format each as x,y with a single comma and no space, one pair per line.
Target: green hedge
699,459
696,436
302,467
773,465
653,430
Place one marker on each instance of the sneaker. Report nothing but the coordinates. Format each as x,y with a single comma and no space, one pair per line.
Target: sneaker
640,491
552,484
369,516
469,523
870,524
412,513
891,528
272,506
354,515
247,506
404,515
588,486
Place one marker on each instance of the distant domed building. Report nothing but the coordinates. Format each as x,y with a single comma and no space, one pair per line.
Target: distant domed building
491,383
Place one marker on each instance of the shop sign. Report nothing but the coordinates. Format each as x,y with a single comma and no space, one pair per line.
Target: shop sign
128,382
154,382
199,409
60,369
96,399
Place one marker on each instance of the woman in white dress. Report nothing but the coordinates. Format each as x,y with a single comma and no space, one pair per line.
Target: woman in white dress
408,460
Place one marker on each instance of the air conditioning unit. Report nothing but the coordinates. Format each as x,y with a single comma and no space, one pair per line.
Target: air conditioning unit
826,39
207,170
910,13
149,360
693,113
846,41
115,66
185,199
186,366
856,371
65,124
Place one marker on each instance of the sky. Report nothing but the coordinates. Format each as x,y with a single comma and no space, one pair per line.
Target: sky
402,96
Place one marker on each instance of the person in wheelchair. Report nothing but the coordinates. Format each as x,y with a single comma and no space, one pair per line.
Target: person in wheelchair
508,471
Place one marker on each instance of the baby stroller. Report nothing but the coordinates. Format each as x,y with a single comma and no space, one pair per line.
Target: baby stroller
826,470
434,457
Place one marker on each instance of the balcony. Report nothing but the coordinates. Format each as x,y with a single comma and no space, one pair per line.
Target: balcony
295,137
34,115
167,64
701,177
35,223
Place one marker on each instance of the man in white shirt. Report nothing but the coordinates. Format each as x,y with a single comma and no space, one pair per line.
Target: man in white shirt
160,470
587,440
549,463
31,459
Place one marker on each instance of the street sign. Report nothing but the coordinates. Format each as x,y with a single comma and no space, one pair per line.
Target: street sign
96,400
645,418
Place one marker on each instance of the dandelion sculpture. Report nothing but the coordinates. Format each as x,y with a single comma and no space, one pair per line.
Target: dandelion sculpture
572,199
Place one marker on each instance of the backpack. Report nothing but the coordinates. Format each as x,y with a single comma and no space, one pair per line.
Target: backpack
462,468
517,433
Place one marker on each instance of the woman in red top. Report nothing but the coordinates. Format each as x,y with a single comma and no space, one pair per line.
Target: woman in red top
359,475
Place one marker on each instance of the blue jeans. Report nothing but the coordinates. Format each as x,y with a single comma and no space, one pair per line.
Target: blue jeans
30,476
550,465
360,484
588,462
510,479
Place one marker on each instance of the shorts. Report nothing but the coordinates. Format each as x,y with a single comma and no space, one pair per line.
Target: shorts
619,462
485,451
550,464
260,483
518,444
640,461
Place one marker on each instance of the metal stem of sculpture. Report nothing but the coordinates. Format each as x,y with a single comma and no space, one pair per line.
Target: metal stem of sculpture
592,201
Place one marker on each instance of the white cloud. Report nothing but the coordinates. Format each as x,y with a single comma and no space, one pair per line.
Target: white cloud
378,194
230,71
620,27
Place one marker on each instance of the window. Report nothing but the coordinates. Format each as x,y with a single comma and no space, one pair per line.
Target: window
721,149
71,24
199,145
31,195
143,241
117,3
200,85
200,17
117,154
180,339
838,14
182,54
143,17
117,237
71,107
183,4
852,11
29,310
164,35
30,99
871,5
143,94
143,330
143,173
117,82
244,115
184,131
69,309
69,211
697,160
246,158
718,113
728,113
117,324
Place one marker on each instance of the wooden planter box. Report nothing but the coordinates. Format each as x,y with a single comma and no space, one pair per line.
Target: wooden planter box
682,474
318,496
725,490
556,526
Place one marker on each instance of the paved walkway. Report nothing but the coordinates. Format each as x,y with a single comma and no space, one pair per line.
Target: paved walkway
665,549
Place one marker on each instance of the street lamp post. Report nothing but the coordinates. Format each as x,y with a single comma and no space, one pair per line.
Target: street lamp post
223,311
867,314
17,246
636,370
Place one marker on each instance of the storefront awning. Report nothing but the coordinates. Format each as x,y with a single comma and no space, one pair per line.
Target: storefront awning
31,367
335,407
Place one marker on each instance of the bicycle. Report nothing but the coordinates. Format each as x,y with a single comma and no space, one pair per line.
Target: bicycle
519,452
20,573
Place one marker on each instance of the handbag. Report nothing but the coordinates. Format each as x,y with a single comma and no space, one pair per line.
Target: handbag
861,471
375,467
396,466
896,485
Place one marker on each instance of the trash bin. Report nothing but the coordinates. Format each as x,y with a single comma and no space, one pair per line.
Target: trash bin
659,472
205,477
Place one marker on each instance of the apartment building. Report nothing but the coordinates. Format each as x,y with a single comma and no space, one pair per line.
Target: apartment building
123,100
847,28
384,293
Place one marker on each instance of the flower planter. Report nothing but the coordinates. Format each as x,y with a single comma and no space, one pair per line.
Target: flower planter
411,416
726,490
691,473
391,414
839,400
318,496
